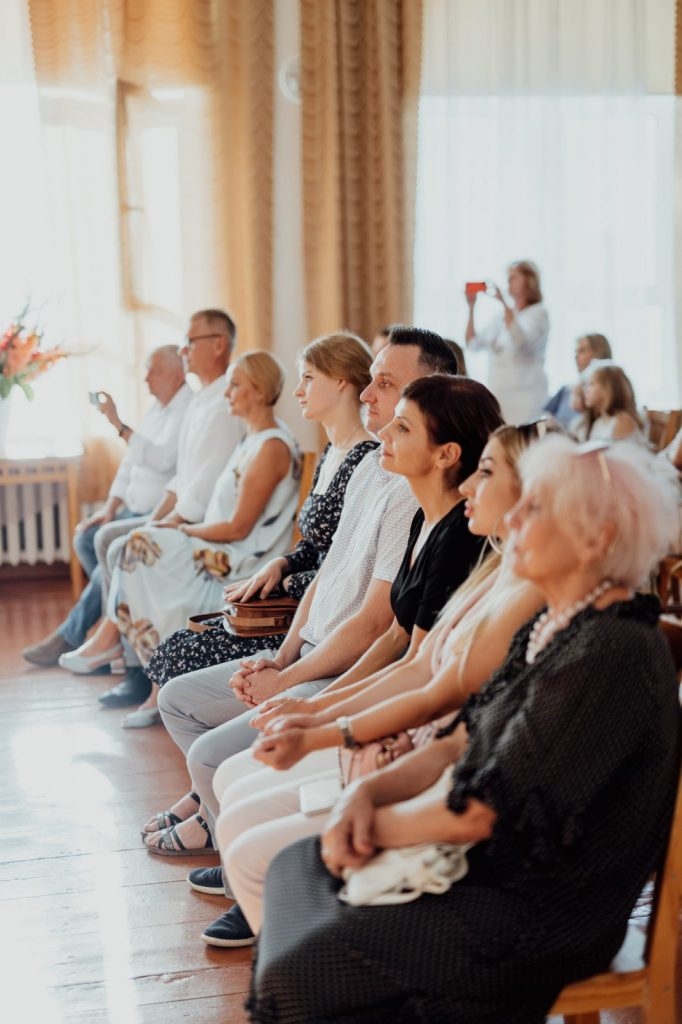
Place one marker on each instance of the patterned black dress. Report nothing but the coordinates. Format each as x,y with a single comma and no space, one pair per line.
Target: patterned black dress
187,651
577,753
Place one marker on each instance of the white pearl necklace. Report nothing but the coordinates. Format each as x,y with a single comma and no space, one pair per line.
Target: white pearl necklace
547,626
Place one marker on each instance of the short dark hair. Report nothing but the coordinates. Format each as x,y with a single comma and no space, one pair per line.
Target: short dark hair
435,355
456,409
459,356
220,317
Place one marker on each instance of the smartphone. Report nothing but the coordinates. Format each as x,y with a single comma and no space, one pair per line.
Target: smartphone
319,796
94,397
474,287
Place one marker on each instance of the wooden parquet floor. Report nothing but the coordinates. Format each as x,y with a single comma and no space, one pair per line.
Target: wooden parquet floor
92,927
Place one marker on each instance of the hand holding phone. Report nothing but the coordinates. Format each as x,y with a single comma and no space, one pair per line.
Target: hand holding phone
472,288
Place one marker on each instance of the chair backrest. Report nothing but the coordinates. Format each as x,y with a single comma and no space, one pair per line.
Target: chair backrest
664,926
662,426
307,472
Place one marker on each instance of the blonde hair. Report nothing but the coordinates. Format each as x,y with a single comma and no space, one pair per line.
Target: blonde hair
599,345
456,615
531,276
342,355
621,396
265,373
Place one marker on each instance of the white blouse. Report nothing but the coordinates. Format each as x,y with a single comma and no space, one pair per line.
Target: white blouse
517,360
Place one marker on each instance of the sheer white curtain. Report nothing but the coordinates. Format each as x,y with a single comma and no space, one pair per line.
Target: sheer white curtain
547,133
106,228
59,214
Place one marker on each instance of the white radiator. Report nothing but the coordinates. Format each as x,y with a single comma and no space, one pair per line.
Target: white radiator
34,523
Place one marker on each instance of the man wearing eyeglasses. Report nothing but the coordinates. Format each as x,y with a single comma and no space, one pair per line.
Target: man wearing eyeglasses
210,432
208,436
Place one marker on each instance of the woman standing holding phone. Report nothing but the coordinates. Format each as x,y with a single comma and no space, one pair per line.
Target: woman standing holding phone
516,342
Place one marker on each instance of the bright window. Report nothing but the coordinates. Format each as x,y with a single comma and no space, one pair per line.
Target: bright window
581,184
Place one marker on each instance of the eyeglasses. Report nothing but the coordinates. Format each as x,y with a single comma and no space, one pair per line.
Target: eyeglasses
534,430
201,337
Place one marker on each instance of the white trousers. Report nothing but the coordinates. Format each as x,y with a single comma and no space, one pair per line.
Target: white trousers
259,816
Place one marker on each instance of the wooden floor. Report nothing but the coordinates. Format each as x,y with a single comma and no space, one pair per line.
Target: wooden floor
93,928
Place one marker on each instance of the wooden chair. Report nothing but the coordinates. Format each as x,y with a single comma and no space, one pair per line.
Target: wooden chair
669,582
307,471
661,427
648,983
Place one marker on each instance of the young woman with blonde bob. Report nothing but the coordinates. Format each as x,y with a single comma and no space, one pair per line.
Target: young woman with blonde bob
260,811
565,773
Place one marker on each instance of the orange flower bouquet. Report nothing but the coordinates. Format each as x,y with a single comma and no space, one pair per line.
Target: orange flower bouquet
21,357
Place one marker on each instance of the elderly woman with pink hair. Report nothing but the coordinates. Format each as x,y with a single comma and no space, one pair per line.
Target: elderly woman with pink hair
565,771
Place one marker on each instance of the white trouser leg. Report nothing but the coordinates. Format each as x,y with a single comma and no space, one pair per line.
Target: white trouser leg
253,830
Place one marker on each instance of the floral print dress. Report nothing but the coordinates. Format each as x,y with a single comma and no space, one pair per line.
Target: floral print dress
163,575
187,651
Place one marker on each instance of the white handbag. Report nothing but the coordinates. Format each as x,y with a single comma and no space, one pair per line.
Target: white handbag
404,873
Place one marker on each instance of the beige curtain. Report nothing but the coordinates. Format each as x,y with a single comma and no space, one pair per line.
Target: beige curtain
244,173
360,68
678,47
219,56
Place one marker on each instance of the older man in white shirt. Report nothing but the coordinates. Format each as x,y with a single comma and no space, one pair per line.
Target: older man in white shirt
142,475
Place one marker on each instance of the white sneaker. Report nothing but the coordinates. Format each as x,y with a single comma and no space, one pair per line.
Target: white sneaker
141,718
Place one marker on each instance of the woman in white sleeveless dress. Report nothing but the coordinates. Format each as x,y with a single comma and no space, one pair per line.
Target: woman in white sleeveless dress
168,572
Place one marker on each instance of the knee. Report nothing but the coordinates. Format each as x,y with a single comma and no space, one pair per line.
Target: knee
172,696
84,542
200,757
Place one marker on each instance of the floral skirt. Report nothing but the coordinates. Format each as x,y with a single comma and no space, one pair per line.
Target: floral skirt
187,651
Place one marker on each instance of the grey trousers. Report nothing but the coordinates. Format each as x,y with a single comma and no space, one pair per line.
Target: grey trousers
210,724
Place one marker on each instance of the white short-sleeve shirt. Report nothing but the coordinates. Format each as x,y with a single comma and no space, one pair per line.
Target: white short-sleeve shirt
369,543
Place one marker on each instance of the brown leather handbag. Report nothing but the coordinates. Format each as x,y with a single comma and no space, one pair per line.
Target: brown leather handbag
261,616
258,617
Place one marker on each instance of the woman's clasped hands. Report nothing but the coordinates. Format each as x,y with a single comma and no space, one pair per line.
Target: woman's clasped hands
284,740
348,840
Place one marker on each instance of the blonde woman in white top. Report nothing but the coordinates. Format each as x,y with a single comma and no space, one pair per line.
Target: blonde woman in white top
516,342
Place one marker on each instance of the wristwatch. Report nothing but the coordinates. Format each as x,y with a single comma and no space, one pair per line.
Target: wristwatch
349,740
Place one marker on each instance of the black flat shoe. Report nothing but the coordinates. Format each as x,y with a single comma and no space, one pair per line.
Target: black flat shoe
134,689
208,880
230,930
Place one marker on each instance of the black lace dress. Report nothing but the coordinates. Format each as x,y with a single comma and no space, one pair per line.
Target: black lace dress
577,753
187,651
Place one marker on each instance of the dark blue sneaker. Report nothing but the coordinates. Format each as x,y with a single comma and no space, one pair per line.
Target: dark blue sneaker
208,880
230,930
